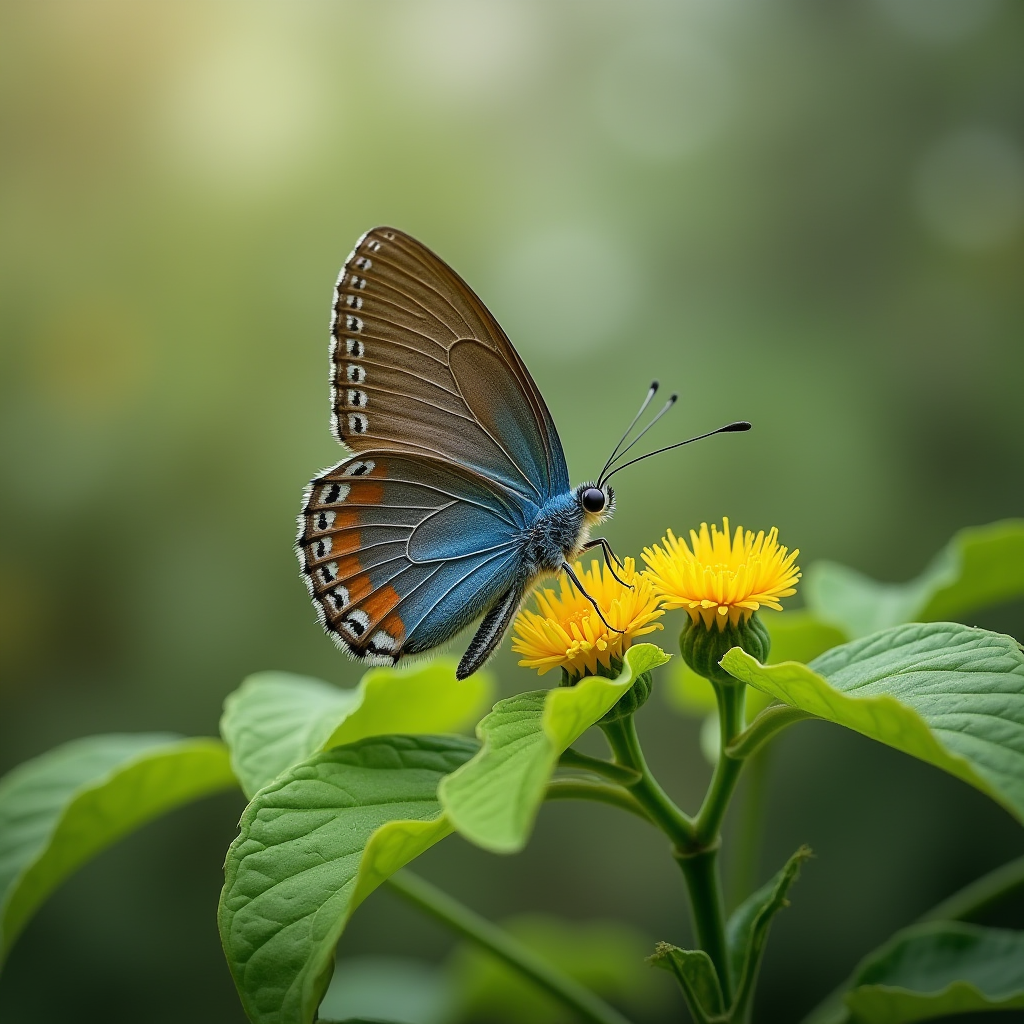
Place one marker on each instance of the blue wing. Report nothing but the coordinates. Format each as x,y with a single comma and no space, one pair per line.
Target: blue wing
419,365
401,552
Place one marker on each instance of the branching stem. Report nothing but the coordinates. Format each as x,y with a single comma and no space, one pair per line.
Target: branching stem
497,941
577,789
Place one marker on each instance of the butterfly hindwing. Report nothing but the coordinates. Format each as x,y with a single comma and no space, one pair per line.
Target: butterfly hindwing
420,365
401,552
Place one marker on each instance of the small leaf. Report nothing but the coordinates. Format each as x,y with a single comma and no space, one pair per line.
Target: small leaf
948,694
276,719
493,799
980,566
747,931
934,970
312,846
605,956
696,975
60,809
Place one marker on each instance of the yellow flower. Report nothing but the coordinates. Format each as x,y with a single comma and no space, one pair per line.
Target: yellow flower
566,632
722,579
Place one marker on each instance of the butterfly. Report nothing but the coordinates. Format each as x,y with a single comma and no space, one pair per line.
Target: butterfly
457,498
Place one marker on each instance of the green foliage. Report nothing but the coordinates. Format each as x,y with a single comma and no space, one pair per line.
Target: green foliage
606,956
747,931
696,975
493,800
933,970
747,936
60,809
948,694
276,719
311,847
980,566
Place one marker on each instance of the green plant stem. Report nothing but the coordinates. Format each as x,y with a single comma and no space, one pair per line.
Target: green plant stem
708,823
607,769
575,789
770,721
499,943
700,870
625,744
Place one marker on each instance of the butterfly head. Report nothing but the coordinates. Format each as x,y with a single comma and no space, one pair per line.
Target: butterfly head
597,502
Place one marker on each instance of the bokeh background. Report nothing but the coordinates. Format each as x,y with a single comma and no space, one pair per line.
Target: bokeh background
808,215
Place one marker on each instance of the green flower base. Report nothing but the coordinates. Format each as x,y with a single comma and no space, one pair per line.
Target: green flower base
704,648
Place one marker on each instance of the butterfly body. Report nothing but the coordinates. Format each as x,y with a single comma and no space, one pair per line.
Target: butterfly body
457,498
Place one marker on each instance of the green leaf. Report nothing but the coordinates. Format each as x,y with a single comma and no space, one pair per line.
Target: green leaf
493,799
948,694
980,566
60,809
605,956
276,719
934,970
312,846
696,975
747,931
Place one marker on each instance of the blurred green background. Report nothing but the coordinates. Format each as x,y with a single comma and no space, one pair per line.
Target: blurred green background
809,215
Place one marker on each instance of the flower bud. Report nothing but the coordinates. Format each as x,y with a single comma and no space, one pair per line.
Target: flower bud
703,647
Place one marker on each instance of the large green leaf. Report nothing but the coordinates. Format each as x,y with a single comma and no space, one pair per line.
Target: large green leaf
60,809
980,566
747,931
933,970
276,719
312,846
949,694
493,799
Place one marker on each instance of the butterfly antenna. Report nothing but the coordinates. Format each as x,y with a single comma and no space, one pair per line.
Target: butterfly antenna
664,409
727,429
651,392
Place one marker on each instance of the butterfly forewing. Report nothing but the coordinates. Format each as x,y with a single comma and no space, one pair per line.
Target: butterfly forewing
420,365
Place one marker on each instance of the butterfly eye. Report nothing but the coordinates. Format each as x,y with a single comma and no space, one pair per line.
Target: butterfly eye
593,499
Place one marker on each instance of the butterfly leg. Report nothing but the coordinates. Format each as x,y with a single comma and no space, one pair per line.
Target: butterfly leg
610,557
490,632
579,586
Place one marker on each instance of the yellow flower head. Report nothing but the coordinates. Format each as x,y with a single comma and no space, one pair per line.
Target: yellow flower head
566,632
722,579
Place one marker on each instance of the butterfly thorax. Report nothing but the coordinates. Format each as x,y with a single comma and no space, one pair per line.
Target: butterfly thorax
558,533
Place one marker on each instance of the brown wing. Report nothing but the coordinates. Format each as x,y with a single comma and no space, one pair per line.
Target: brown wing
419,365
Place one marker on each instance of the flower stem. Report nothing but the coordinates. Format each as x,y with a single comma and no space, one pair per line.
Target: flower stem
731,702
498,942
625,744
708,909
